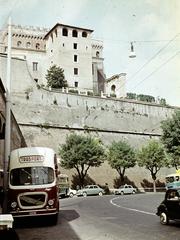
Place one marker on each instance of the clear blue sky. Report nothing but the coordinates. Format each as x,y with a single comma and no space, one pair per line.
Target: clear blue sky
152,25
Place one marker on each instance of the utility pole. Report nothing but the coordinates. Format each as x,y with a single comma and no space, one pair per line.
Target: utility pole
8,118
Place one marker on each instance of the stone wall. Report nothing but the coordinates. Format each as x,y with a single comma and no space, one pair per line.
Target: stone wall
46,118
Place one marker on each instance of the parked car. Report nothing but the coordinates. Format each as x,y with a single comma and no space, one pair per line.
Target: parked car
125,189
90,190
169,209
71,192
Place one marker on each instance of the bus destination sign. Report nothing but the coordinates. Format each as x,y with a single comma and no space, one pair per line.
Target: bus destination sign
31,158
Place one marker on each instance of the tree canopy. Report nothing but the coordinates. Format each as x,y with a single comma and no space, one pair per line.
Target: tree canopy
81,152
55,77
121,156
153,158
171,138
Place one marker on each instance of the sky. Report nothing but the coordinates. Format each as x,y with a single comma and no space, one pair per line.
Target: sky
151,25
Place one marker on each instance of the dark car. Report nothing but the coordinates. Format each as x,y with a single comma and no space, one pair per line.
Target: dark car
169,209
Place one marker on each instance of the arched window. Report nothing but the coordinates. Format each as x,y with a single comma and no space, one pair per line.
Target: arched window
97,54
28,44
84,34
37,46
113,88
64,32
19,43
74,33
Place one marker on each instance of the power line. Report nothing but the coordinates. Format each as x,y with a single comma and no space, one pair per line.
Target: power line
157,69
150,60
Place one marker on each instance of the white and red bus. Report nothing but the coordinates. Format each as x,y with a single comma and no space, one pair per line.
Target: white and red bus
33,187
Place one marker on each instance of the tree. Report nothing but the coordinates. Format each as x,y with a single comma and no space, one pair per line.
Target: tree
121,156
81,152
55,77
171,138
153,158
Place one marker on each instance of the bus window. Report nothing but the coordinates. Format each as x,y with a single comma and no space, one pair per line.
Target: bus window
31,176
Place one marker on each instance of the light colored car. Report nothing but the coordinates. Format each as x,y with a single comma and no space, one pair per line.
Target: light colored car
125,189
71,192
90,190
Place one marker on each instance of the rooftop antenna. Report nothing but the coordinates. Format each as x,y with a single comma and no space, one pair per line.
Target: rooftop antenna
132,53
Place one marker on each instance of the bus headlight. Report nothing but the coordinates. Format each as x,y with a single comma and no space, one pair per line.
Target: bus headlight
51,202
14,204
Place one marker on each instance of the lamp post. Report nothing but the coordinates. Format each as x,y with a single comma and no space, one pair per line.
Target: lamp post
8,118
132,53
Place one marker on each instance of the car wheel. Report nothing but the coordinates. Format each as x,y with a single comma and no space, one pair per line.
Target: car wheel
71,195
133,192
164,218
84,194
122,193
100,193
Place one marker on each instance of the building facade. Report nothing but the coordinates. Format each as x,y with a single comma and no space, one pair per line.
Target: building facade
69,47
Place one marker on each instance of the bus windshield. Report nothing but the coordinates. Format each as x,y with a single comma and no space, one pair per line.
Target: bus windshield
31,176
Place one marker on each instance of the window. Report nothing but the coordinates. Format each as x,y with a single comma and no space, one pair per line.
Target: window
28,44
65,32
37,46
75,71
76,84
74,33
75,58
35,66
19,43
97,54
84,34
75,45
113,88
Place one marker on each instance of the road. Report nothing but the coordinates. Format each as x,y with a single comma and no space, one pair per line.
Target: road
104,218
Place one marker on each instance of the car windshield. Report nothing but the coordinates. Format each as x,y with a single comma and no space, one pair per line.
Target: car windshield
31,176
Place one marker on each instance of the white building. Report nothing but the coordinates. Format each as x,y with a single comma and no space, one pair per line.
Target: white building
69,47
115,86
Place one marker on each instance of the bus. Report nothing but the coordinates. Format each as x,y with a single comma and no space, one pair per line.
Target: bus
33,186
63,183
173,180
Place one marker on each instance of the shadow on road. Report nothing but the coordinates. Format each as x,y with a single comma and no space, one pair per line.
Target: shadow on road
41,228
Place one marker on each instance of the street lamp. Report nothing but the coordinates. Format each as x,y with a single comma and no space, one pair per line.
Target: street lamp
132,53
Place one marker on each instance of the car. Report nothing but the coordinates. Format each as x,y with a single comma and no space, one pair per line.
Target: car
90,190
71,193
125,189
169,208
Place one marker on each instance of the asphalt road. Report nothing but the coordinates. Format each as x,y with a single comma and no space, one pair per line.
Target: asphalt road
128,217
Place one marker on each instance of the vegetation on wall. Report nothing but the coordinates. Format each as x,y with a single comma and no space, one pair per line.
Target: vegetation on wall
55,77
171,138
146,98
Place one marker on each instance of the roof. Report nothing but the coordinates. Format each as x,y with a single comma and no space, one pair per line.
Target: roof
69,26
115,76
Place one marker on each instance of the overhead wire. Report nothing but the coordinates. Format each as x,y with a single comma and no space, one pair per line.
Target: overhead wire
150,60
